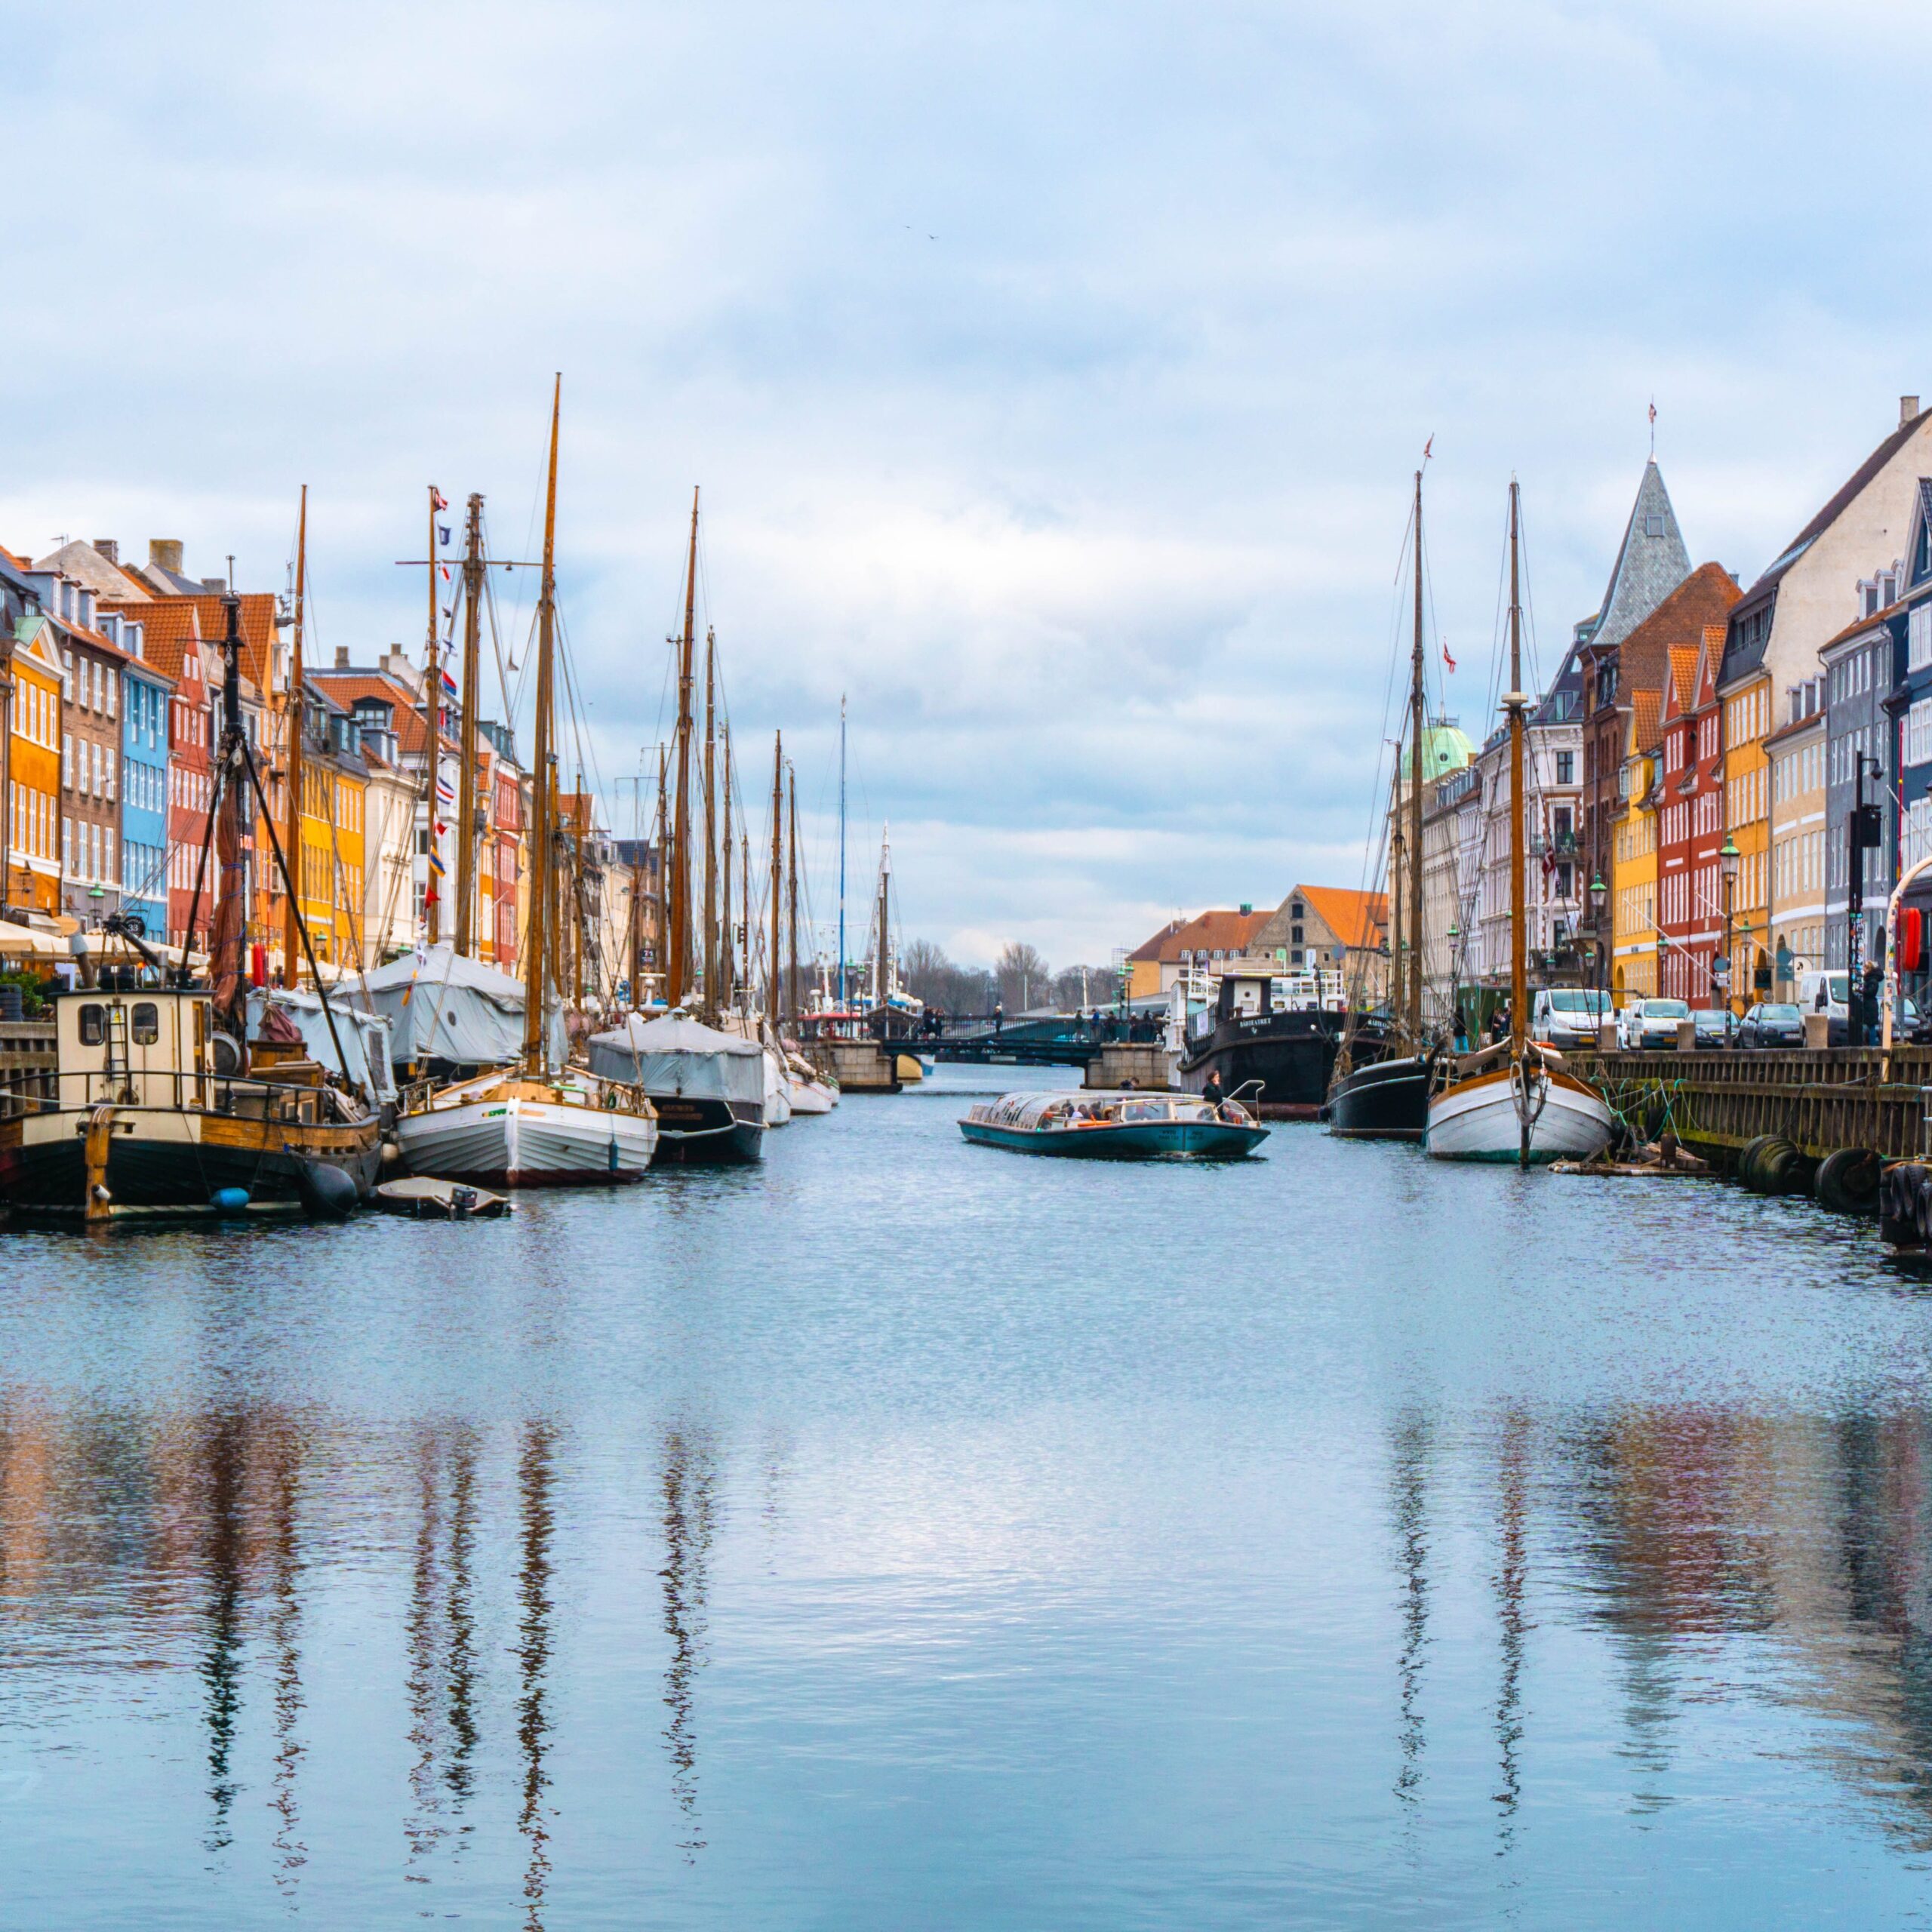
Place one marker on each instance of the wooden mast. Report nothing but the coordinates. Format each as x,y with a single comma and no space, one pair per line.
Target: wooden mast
791,898
473,676
677,967
777,878
1518,704
745,923
710,817
580,828
657,909
291,928
433,900
1416,779
727,950
536,939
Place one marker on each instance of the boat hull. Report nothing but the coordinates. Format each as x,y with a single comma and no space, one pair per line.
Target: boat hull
162,1161
499,1142
1137,1141
1386,1100
1477,1119
1282,1061
693,1133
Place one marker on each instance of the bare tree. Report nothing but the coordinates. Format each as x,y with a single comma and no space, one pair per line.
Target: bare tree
931,976
1023,977
1077,988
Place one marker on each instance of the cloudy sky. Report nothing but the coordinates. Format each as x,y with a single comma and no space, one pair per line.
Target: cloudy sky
1054,373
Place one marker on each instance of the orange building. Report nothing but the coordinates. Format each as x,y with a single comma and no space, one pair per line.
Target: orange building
33,769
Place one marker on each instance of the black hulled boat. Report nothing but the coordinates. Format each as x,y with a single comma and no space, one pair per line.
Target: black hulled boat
1386,1099
1272,1038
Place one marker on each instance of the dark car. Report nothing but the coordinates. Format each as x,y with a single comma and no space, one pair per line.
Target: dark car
1769,1026
1715,1028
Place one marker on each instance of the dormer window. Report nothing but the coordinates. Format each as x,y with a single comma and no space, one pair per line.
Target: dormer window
1654,524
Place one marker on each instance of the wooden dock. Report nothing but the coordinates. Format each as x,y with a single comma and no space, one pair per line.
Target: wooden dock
1819,1101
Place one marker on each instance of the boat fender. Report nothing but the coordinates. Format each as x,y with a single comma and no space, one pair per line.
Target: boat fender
1746,1171
1920,1216
228,1200
1847,1182
391,1154
328,1193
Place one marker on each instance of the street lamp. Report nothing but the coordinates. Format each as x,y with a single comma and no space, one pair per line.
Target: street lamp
1599,892
1729,858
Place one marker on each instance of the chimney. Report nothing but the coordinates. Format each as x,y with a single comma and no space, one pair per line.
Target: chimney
1908,409
107,549
215,586
164,552
342,657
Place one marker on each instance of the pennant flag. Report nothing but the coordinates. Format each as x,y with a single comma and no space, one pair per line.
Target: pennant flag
1427,447
442,830
436,497
449,683
442,532
1447,658
446,573
445,791
436,865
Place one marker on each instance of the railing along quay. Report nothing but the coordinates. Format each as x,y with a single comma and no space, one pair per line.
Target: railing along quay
27,1066
1819,1100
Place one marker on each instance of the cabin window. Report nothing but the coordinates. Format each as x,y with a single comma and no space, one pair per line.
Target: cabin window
146,1024
94,1025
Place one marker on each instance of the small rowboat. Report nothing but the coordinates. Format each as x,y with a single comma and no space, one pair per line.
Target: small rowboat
1115,1126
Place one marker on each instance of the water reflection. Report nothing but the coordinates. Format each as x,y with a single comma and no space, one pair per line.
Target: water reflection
221,1662
534,1479
1410,1469
689,1494
1513,1623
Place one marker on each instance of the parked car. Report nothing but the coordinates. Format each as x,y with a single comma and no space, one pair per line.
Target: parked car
1568,1016
1715,1028
1650,1024
1770,1026
1825,993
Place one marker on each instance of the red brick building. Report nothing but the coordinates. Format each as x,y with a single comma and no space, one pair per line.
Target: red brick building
1690,824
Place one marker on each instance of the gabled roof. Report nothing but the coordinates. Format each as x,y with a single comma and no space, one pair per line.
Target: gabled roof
1680,691
1840,501
87,566
170,631
1646,721
1218,931
412,727
257,626
1651,562
1355,919
1705,598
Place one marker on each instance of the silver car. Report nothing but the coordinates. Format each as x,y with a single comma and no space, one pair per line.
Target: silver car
1649,1025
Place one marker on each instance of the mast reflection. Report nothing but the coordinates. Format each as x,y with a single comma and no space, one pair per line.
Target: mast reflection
291,1853
1413,1448
220,1666
1514,1625
690,1489
534,1481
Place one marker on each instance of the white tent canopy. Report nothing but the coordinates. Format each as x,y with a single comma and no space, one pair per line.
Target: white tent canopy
364,1036
675,1054
441,1005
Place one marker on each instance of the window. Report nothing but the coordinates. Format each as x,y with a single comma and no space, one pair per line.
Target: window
93,1025
1918,637
1566,768
146,1024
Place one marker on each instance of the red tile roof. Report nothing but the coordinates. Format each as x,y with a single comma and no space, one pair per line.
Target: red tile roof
412,728
1207,932
169,629
1355,919
258,627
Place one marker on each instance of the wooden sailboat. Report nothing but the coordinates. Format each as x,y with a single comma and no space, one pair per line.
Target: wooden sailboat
162,1104
536,1125
1516,1103
1386,1096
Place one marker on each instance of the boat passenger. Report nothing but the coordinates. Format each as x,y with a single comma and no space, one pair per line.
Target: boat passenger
1211,1091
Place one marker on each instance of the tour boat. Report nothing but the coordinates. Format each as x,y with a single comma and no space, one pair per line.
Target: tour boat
1527,1109
1115,1125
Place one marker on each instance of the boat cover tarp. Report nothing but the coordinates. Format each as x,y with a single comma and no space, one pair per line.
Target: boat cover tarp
364,1036
441,1005
677,1054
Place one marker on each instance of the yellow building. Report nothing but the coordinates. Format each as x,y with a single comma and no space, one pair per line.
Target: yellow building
1633,880
32,749
329,870
1747,816
1797,754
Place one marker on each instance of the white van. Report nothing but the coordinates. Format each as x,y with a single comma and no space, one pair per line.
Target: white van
1568,1016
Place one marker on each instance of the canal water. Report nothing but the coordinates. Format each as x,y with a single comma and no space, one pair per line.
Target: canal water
908,1534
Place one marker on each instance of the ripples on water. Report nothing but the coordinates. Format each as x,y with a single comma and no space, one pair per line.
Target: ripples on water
907,1534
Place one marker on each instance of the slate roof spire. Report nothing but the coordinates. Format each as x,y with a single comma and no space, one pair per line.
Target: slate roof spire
1651,562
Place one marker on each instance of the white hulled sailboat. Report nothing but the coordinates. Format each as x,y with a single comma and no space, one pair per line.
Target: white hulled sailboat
1515,1102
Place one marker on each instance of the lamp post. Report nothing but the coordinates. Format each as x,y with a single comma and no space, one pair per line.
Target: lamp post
1599,892
1729,858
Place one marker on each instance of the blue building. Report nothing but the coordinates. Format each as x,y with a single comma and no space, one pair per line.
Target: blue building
144,795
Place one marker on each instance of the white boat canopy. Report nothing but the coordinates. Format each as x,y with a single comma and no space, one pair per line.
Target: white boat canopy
677,1054
364,1036
441,1005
